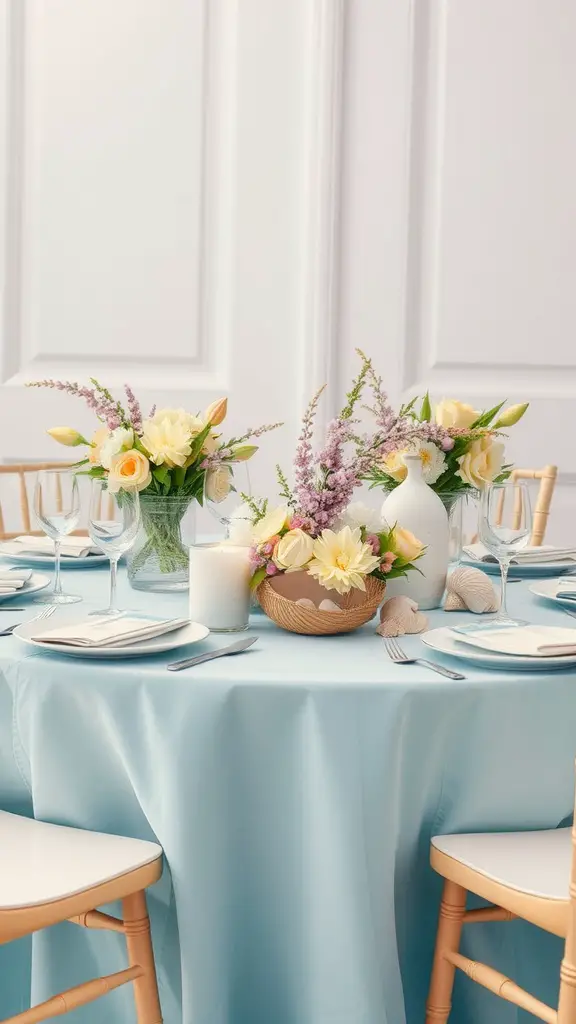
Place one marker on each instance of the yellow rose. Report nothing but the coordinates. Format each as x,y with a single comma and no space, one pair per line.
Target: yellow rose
98,439
293,551
272,524
482,463
129,471
406,545
67,435
395,466
218,484
450,413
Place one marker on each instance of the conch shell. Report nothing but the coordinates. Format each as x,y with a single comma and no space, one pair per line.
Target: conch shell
471,590
400,615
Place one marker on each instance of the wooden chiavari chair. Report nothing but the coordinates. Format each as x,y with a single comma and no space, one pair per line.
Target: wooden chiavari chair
22,471
547,477
530,875
51,873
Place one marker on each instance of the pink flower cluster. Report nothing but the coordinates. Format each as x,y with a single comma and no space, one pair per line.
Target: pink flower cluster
97,399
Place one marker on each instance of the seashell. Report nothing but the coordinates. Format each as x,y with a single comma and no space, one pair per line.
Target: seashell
329,606
471,590
400,615
306,602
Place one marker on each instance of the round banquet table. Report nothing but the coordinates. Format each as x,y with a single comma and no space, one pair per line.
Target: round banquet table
294,790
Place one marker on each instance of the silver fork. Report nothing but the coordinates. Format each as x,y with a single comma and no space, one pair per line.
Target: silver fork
397,655
44,614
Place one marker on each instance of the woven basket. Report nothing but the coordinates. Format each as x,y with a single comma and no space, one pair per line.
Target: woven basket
278,596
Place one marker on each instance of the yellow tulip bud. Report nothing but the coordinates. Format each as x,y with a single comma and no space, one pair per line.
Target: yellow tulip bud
511,416
216,412
244,453
68,436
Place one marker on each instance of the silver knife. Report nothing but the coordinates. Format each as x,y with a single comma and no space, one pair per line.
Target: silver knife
237,648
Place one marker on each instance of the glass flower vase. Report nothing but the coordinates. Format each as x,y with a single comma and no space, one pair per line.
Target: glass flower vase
456,505
159,558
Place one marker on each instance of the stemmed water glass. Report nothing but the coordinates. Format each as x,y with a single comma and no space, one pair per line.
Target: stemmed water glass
224,487
505,526
57,509
113,524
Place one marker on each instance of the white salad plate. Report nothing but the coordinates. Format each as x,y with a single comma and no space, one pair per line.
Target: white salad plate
547,589
534,571
183,637
444,641
36,582
36,560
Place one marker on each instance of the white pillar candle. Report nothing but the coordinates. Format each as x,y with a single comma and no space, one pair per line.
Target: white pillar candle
220,586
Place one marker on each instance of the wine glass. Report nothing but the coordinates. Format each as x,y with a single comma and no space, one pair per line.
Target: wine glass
113,524
505,526
57,509
224,487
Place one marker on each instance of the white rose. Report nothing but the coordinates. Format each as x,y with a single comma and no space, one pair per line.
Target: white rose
359,514
482,463
218,484
272,524
293,550
451,413
118,440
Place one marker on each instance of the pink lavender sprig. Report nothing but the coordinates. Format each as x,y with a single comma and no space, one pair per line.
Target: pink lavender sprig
98,399
134,409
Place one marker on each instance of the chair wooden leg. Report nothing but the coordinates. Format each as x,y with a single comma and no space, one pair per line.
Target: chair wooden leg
567,1003
452,910
139,943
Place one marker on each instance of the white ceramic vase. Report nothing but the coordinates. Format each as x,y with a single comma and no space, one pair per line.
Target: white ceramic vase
416,507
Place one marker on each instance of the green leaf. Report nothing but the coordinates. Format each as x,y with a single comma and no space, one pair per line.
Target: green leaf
160,473
426,409
257,578
197,444
486,417
178,476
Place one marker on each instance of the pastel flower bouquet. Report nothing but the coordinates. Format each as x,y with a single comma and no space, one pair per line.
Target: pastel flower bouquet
172,457
319,562
459,446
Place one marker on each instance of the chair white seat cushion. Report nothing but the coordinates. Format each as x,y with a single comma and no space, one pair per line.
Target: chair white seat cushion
41,863
536,863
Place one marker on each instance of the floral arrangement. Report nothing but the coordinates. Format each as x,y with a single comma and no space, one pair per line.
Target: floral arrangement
459,446
170,452
317,529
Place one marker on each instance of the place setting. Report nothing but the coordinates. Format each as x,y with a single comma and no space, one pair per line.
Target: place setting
503,642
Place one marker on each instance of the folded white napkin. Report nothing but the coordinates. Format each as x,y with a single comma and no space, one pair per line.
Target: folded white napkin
71,547
526,556
13,580
108,631
525,641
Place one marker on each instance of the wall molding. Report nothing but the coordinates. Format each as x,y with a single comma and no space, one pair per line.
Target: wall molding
424,206
12,166
320,260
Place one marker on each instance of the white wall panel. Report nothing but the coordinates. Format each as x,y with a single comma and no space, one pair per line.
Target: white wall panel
205,196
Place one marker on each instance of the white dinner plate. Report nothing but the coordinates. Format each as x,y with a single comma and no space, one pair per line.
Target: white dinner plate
189,634
524,571
445,641
547,589
34,559
36,582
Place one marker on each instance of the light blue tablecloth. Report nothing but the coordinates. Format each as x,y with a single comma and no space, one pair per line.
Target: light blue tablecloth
294,790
